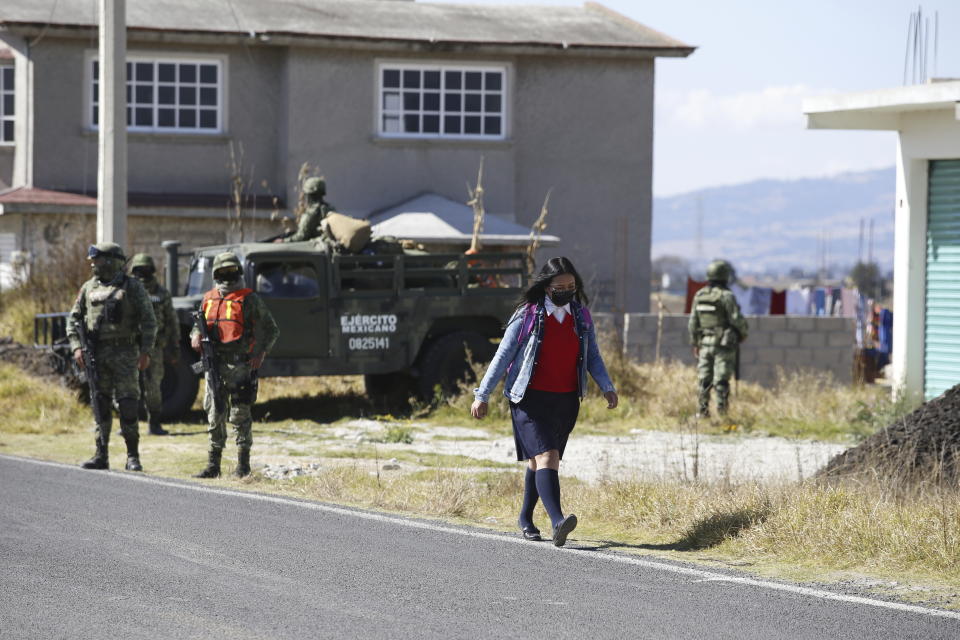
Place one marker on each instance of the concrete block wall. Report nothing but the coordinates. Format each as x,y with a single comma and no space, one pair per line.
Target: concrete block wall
790,342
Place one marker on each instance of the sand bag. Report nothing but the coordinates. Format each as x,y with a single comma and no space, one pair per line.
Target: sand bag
350,233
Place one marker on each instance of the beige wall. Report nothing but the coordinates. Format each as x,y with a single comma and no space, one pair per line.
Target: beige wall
581,127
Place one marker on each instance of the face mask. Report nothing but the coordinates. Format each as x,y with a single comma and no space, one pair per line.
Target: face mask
105,271
561,298
143,275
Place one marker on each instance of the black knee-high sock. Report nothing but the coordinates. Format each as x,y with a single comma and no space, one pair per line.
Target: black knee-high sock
548,485
530,498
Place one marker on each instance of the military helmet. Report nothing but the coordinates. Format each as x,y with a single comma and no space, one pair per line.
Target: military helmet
314,185
226,259
719,271
107,249
142,260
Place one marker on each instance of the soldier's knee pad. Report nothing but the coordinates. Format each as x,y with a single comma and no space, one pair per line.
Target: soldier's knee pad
128,409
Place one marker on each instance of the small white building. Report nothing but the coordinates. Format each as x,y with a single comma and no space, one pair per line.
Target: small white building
926,327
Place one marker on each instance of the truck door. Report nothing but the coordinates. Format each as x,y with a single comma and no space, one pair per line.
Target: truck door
295,290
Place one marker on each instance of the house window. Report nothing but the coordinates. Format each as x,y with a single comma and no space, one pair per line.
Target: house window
179,96
441,101
6,104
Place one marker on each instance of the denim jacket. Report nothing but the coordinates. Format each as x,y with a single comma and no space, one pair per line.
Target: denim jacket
517,355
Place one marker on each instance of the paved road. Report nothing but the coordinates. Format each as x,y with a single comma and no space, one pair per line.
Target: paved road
85,554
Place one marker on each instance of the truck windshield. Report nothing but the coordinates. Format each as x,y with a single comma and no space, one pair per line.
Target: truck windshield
201,278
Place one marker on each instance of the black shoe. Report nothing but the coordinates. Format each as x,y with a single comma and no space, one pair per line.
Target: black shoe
156,429
212,470
531,533
133,464
563,529
101,460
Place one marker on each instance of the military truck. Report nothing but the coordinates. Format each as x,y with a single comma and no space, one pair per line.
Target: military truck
406,321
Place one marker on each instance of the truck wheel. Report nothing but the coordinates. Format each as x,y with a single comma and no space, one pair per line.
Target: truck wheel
180,385
389,390
445,363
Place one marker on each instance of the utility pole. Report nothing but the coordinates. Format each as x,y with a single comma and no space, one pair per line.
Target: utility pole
112,123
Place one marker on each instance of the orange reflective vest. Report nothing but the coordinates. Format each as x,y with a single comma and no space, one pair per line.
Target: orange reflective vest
224,314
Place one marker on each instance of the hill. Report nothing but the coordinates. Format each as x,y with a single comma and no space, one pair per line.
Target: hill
773,225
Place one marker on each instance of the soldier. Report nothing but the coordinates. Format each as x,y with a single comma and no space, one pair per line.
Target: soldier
243,331
314,190
716,328
116,313
165,348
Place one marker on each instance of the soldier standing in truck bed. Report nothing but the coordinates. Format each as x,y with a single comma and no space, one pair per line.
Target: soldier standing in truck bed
243,332
716,329
166,346
116,312
314,189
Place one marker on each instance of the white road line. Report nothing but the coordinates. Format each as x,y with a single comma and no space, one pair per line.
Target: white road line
702,575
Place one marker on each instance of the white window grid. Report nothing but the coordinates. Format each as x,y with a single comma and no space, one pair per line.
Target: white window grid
168,95
6,104
410,112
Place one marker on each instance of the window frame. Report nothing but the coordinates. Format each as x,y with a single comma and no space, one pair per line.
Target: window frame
4,116
503,68
163,57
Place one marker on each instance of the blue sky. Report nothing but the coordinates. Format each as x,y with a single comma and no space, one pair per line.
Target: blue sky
731,112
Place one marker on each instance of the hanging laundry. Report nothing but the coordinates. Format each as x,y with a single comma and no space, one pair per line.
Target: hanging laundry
692,287
848,303
742,294
760,301
778,303
861,313
819,301
798,302
884,337
833,302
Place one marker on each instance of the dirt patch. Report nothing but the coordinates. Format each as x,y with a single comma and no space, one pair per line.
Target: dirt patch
41,363
922,446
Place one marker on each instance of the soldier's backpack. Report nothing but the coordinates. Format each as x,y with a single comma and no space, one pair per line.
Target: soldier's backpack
707,306
350,233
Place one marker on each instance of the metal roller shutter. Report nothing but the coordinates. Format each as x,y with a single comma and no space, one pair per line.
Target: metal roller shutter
942,323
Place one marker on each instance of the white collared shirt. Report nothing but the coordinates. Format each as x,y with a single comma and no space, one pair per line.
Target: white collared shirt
553,310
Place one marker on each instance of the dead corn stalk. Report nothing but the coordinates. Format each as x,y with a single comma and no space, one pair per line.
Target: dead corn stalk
240,181
476,203
536,232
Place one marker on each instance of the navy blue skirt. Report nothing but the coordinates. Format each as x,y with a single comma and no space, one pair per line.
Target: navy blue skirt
543,421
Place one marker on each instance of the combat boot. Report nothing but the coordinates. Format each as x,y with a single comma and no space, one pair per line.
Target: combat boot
100,460
243,463
133,455
156,429
212,470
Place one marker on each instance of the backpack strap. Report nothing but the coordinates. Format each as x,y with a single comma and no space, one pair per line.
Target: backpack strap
529,317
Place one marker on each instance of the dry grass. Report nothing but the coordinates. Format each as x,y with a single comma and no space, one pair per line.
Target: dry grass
663,396
51,285
805,530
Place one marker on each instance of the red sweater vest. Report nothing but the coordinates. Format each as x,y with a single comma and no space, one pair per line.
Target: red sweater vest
556,368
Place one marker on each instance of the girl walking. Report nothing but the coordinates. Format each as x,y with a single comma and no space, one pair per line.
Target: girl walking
547,350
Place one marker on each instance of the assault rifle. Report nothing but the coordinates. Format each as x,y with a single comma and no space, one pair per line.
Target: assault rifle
208,362
90,368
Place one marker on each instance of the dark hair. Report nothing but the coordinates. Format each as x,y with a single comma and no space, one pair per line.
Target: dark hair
554,267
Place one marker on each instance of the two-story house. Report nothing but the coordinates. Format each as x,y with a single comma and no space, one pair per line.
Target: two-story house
387,98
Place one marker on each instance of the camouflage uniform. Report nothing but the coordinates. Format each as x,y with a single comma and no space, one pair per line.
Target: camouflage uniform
142,267
238,386
119,320
716,328
314,189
